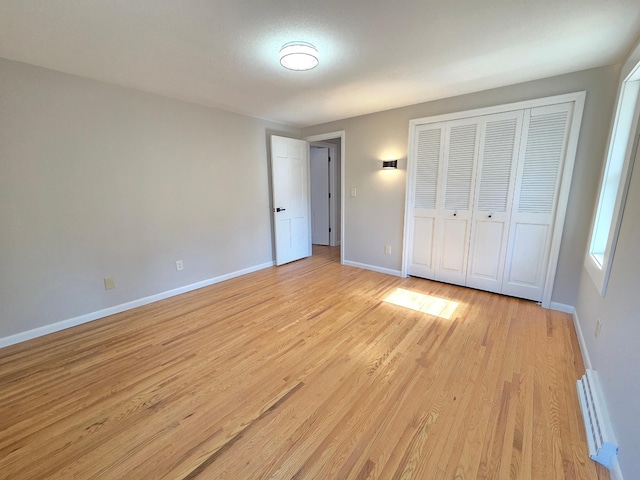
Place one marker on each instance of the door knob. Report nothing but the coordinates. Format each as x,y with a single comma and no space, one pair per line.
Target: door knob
455,214
490,215
280,209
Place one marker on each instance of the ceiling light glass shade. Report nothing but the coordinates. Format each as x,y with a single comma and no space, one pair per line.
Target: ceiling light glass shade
299,56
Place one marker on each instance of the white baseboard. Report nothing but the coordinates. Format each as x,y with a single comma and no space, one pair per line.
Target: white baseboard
561,307
583,344
388,271
614,472
89,317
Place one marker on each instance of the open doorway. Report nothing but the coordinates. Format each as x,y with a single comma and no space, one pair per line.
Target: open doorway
325,194
320,188
326,171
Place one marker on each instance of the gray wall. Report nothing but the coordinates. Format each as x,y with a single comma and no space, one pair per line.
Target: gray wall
98,180
375,217
615,354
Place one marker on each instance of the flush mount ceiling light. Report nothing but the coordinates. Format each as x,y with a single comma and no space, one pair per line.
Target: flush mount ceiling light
298,56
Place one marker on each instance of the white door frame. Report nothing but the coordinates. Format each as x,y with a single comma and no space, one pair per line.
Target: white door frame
572,145
330,136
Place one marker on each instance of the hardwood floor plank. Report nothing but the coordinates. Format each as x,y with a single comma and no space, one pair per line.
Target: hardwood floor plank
300,371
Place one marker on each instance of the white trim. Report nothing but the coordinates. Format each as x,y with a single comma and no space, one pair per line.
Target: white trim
600,273
562,307
410,192
583,345
89,317
342,136
388,271
563,195
478,112
615,472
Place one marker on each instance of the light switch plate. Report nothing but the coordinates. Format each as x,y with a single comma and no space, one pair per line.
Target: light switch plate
109,283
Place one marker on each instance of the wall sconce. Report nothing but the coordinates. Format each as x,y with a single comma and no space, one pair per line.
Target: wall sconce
389,164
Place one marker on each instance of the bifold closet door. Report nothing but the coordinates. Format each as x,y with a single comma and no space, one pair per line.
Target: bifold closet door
540,166
496,169
428,150
456,197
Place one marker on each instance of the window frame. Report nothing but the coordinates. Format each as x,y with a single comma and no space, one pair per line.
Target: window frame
598,264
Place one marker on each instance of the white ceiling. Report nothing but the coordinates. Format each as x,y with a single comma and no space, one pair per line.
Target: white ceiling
374,54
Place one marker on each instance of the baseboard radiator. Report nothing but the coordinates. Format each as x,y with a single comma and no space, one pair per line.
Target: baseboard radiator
603,447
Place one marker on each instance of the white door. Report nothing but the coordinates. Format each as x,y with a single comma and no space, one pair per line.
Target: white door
497,160
540,168
428,150
290,186
458,173
319,168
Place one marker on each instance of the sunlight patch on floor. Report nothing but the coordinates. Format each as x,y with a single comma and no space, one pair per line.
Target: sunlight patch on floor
436,306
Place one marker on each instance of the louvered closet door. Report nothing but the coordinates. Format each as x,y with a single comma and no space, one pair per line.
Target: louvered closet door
428,149
496,168
540,165
456,197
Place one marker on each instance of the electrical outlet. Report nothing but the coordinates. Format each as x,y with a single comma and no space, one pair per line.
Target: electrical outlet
109,283
387,249
598,327
353,191
179,265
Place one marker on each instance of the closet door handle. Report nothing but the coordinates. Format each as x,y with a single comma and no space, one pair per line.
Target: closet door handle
489,215
455,214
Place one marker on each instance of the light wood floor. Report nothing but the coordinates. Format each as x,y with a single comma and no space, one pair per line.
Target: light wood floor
300,371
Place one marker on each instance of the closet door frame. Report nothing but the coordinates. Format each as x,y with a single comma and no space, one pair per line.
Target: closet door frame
578,98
